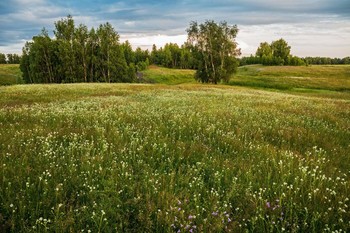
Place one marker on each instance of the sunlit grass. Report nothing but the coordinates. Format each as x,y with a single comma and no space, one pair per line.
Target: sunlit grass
10,74
156,74
157,158
325,77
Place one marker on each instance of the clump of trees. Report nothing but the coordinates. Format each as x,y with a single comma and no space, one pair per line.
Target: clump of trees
276,53
214,48
9,58
326,61
173,56
78,54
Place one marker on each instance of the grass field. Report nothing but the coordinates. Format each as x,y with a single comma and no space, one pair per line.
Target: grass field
156,74
303,79
10,74
295,78
173,158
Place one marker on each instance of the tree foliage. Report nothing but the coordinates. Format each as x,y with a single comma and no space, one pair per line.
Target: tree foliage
264,50
280,49
3,58
9,58
78,54
276,53
214,47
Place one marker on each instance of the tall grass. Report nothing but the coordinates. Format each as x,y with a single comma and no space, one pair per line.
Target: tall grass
156,74
192,158
10,74
325,77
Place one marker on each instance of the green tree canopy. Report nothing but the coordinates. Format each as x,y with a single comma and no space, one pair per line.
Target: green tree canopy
78,54
281,49
215,48
2,58
264,49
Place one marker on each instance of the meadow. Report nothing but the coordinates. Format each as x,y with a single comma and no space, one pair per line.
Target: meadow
175,158
295,78
10,74
162,75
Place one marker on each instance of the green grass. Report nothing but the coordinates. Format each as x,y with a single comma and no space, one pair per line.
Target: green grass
301,79
326,77
163,158
168,76
10,74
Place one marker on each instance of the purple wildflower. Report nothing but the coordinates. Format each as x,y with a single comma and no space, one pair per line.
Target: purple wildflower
268,205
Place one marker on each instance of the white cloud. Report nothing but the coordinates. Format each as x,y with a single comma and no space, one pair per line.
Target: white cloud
13,48
146,41
316,39
29,2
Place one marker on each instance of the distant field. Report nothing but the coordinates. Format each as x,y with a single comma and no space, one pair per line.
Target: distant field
168,76
303,79
296,78
169,158
10,74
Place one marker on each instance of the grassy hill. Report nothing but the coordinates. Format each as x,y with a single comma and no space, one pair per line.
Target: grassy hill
161,75
301,79
163,158
10,74
296,78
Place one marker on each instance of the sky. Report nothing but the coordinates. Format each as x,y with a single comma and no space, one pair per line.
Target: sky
311,27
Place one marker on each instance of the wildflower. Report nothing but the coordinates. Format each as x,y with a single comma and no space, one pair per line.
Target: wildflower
214,213
268,205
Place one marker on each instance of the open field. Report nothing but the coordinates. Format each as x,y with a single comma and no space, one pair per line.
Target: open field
160,158
301,79
295,78
10,74
156,74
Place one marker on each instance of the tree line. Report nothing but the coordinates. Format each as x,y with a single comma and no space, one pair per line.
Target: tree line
210,49
326,61
10,58
173,56
275,53
79,54
278,53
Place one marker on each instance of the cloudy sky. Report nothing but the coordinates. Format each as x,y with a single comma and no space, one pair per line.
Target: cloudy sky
311,27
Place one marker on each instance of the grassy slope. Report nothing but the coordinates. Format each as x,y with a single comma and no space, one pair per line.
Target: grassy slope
168,76
10,74
159,158
297,78
312,79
